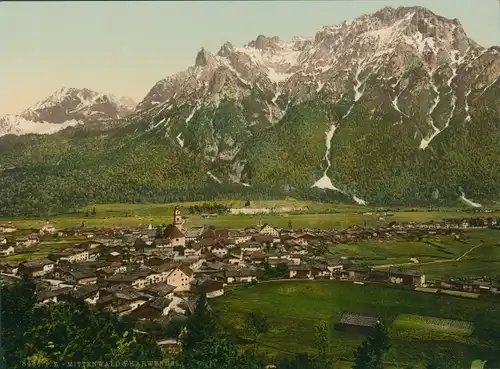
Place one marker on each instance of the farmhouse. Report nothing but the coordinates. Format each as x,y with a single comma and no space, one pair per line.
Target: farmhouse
7,228
408,277
152,309
10,267
240,237
47,229
70,256
180,278
120,299
89,293
6,249
51,296
36,268
209,287
160,290
300,272
27,241
241,275
268,230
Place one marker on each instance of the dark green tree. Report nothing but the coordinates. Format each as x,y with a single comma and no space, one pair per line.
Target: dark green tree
179,249
290,224
370,354
256,324
94,212
201,326
139,244
159,233
443,358
66,332
17,318
218,353
322,343
299,361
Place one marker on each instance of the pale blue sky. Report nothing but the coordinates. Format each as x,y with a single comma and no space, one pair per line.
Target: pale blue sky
125,47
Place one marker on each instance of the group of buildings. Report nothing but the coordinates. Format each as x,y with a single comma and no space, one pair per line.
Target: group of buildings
156,273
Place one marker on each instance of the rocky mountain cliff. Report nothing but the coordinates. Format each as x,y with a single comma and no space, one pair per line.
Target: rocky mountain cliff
64,108
396,107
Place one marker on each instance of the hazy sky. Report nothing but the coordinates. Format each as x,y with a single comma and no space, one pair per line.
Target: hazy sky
126,47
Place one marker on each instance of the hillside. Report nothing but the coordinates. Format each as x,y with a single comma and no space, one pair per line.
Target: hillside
393,108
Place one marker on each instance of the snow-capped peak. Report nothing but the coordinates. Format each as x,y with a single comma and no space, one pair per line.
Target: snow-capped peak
407,35
66,107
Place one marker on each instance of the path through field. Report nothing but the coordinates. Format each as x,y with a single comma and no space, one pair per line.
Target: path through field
430,262
475,247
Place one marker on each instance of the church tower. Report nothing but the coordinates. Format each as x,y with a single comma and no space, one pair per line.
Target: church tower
178,221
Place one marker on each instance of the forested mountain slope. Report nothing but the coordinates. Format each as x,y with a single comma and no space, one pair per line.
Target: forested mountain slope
398,107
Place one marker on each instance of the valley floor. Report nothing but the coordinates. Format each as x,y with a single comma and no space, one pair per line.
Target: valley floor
307,215
294,307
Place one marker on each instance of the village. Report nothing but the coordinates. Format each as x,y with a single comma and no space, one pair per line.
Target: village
156,274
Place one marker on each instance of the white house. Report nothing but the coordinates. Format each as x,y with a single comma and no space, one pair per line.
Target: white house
240,237
219,251
27,241
37,267
7,228
269,231
180,278
250,247
6,250
47,229
190,251
235,259
74,256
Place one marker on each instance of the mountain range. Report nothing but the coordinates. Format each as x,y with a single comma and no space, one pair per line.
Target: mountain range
399,107
66,107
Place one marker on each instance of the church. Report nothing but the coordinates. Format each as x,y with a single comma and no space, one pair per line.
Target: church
175,231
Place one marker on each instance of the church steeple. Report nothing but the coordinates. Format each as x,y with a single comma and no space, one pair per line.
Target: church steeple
178,221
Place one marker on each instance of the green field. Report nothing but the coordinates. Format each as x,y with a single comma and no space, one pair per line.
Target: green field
316,215
44,248
293,307
418,325
477,253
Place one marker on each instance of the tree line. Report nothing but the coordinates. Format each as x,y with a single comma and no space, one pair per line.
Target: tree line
210,208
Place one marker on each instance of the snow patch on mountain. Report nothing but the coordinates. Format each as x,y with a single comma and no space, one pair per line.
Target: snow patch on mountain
426,141
17,125
214,177
453,96
325,181
180,140
470,202
359,200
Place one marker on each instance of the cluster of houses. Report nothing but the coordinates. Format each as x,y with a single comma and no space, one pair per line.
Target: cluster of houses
26,243
155,274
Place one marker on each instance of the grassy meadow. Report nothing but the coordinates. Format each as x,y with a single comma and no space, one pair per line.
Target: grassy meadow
476,254
417,322
313,215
